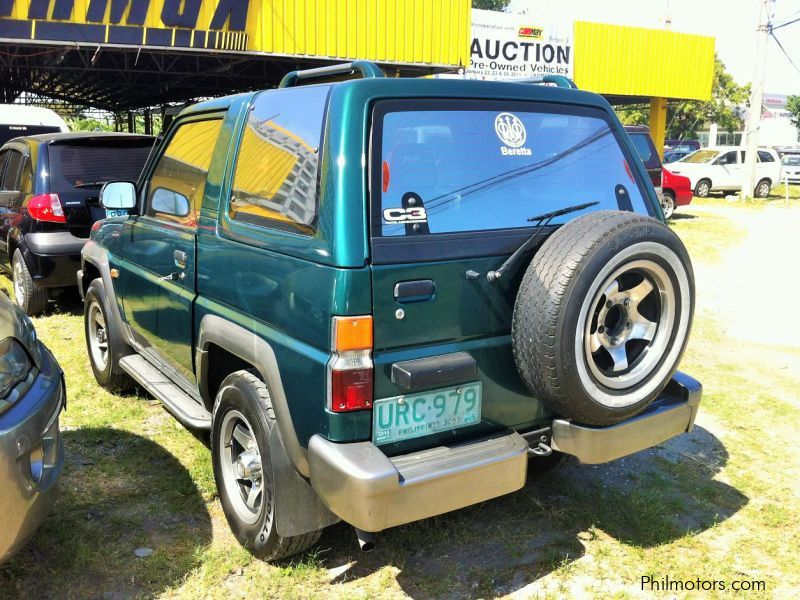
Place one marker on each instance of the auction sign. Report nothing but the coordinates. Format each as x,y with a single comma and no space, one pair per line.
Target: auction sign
506,45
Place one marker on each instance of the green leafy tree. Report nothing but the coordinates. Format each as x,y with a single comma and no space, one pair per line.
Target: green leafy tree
793,106
88,124
490,4
685,118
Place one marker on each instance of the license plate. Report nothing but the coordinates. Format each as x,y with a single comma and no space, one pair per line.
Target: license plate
415,415
116,212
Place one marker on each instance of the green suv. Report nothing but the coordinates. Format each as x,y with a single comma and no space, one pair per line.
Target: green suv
387,299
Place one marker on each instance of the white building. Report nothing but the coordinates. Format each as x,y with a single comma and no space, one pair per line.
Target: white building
776,127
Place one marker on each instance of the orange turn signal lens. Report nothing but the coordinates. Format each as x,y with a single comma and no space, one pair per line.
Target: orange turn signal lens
352,333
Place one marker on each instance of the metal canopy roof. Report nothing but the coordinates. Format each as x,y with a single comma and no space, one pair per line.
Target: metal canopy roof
115,79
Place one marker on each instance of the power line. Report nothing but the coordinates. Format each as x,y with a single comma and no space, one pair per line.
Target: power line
785,53
774,27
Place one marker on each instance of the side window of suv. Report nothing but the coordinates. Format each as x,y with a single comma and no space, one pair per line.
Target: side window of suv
176,188
276,174
729,158
765,157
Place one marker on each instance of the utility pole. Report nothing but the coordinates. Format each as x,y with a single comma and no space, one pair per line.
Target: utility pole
756,100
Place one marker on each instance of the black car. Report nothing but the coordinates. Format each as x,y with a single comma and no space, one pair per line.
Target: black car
49,189
640,136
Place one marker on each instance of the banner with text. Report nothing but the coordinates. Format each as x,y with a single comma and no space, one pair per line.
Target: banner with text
508,45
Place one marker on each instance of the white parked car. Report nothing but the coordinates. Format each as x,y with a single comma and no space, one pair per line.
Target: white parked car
719,168
791,167
17,120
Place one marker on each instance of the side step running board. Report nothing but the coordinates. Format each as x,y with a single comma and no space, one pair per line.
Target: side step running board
185,408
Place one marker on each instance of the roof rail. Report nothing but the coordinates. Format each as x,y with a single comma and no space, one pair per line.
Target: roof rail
558,80
367,69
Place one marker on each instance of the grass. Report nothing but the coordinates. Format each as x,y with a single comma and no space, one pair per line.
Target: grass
721,503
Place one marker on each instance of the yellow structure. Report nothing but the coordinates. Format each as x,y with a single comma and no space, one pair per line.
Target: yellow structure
419,32
644,64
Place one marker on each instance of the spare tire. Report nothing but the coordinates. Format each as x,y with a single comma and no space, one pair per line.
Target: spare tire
602,316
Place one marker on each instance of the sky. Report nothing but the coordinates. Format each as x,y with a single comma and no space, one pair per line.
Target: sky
731,22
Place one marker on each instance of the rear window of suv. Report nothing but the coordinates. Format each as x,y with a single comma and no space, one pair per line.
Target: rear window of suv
91,163
474,166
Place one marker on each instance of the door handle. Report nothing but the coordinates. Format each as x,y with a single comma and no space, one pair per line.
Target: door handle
177,276
180,258
419,290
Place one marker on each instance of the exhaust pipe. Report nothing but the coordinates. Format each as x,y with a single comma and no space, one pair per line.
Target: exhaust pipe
366,540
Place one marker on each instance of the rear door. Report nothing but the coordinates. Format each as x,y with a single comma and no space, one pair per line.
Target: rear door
158,275
453,185
80,166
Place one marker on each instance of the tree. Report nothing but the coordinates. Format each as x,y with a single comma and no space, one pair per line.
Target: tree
793,106
88,124
685,118
490,4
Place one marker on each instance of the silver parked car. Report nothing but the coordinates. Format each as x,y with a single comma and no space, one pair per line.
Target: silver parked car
32,395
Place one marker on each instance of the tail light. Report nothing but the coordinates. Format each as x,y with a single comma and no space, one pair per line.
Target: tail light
46,207
350,369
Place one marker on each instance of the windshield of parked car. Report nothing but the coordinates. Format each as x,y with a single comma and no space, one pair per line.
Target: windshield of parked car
90,163
464,168
700,156
791,160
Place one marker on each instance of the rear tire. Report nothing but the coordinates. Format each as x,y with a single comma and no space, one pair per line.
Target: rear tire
762,189
603,315
28,296
703,188
104,342
243,423
668,204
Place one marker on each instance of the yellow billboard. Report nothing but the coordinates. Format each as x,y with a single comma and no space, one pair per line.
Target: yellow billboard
633,61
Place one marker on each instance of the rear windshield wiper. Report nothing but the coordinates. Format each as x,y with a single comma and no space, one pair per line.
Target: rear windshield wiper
541,222
89,184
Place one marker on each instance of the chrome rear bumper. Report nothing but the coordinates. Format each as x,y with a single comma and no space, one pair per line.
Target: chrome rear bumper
671,414
372,491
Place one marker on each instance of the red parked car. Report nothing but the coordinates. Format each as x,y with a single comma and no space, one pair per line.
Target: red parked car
677,192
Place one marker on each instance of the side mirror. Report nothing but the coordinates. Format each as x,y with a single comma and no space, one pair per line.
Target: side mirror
169,202
118,195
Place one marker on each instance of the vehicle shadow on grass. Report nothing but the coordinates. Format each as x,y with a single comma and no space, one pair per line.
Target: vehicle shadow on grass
119,492
500,546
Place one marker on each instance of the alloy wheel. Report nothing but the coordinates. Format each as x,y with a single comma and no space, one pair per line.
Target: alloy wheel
629,325
242,470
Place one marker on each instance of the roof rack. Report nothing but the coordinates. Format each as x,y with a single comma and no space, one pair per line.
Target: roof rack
557,80
368,70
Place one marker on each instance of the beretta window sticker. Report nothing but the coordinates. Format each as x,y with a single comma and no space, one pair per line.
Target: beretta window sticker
511,131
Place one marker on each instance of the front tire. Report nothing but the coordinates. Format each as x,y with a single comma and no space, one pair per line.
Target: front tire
602,316
703,188
28,296
243,423
103,341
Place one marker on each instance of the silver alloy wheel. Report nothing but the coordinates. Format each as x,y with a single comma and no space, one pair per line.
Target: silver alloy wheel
242,471
98,336
703,189
629,325
19,286
762,190
667,205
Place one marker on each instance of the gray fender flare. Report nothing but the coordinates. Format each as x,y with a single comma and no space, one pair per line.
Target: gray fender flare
97,256
305,511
